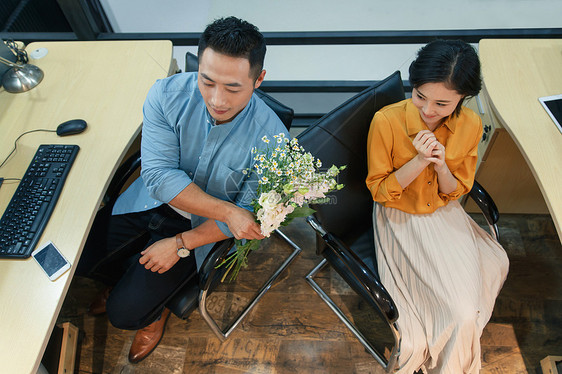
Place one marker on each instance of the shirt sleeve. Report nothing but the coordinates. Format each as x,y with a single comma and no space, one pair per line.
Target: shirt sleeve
381,178
160,150
465,170
224,228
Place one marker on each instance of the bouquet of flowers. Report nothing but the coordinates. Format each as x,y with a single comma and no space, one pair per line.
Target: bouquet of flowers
288,179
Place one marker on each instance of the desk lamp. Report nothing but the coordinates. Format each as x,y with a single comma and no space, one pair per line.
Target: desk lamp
21,78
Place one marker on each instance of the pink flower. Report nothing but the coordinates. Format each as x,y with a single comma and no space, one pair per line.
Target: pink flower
271,217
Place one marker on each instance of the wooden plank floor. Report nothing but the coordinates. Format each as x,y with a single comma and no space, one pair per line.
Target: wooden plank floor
292,331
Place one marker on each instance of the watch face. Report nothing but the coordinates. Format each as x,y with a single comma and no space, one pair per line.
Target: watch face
183,252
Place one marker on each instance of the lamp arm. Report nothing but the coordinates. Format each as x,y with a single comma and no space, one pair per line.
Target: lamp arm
10,63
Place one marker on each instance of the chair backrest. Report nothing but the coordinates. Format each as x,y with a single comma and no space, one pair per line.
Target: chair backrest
191,62
340,138
284,113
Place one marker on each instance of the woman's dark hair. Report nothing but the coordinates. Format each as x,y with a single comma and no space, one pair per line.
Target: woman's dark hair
234,37
452,62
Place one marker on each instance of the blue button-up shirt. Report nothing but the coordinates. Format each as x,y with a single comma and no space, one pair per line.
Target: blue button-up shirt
182,145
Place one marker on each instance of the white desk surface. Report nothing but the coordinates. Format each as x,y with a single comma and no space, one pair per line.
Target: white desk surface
516,73
104,83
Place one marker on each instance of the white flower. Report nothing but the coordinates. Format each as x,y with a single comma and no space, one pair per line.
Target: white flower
269,200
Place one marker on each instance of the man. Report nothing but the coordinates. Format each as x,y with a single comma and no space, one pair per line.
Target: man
198,132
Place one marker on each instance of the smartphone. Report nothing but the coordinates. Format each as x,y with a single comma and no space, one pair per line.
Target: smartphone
51,260
553,106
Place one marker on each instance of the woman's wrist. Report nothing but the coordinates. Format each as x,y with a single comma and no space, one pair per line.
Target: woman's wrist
421,160
442,170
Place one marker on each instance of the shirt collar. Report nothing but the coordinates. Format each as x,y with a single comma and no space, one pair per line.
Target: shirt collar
451,123
415,124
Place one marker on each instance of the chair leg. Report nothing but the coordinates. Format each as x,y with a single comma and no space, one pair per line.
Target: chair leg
387,365
222,335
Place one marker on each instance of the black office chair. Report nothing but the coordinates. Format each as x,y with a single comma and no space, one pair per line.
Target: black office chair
344,227
195,290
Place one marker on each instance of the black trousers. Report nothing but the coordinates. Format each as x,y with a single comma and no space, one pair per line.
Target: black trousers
112,254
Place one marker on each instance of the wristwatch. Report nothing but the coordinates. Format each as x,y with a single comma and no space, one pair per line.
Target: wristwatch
182,250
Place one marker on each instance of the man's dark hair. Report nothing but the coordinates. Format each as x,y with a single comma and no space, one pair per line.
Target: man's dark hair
452,62
234,37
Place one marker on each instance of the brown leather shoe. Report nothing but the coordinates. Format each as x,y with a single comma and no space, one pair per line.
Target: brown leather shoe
98,305
148,338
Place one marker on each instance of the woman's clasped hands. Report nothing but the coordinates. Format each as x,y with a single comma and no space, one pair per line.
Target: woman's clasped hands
430,149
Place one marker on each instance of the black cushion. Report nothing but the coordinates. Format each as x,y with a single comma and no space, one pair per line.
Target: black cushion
191,62
284,113
340,138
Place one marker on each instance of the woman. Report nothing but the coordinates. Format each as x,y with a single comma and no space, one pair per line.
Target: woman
443,271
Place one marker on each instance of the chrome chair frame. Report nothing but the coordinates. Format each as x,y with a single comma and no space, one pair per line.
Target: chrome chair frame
223,334
395,329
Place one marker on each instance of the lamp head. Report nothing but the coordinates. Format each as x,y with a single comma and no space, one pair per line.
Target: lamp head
22,78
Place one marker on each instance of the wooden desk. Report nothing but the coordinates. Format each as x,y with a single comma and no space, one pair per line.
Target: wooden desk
104,83
516,73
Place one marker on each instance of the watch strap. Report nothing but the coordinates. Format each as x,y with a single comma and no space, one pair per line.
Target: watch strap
179,242
183,251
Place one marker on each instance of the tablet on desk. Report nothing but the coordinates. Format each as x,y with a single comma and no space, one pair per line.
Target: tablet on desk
553,106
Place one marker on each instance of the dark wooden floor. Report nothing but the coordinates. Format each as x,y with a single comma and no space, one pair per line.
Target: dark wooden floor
292,331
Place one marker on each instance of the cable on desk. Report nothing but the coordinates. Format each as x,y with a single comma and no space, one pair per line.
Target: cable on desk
8,179
18,138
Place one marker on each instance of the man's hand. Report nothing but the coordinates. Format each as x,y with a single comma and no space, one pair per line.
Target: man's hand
160,256
242,224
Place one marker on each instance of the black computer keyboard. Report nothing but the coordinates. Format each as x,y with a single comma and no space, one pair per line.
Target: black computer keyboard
35,198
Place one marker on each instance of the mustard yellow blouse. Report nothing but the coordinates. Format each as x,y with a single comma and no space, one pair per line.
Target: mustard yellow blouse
389,147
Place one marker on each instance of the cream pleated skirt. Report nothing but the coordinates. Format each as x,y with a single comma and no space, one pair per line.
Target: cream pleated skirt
444,273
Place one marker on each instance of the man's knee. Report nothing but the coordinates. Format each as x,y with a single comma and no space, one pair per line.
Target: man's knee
125,314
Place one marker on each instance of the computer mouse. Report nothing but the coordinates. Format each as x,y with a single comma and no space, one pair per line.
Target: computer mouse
71,127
